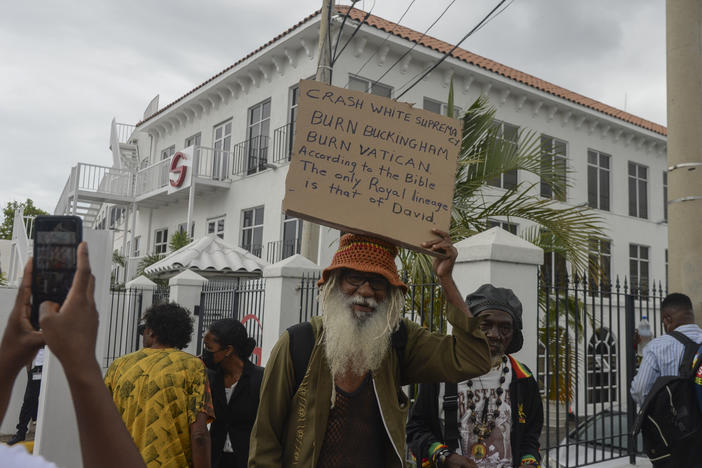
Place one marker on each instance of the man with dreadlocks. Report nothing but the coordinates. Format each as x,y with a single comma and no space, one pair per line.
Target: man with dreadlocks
334,398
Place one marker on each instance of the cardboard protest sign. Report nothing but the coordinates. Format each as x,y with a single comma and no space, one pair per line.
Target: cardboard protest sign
367,164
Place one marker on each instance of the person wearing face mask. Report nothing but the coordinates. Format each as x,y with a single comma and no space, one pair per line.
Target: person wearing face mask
235,383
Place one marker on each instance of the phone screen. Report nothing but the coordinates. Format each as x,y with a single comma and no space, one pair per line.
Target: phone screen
55,242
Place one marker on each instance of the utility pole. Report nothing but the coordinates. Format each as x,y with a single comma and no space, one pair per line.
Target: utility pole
309,244
684,69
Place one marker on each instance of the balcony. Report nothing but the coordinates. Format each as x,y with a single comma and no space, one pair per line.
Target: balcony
282,249
283,143
250,156
89,186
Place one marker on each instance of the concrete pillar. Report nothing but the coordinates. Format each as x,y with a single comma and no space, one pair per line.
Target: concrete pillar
495,256
186,288
282,303
684,68
56,437
147,288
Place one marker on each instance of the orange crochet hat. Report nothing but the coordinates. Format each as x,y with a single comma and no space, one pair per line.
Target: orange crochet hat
366,254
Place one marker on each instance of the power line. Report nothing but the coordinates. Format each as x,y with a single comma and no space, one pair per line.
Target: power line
341,29
361,23
415,44
447,54
385,39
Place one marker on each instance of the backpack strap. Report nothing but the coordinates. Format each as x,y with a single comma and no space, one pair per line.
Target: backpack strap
451,415
301,338
685,369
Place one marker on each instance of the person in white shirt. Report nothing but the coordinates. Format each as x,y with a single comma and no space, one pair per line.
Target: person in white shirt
30,403
662,355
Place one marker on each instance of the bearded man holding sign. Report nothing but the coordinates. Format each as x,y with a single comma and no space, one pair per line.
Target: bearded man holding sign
331,393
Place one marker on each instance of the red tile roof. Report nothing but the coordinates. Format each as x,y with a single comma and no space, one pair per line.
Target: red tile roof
465,56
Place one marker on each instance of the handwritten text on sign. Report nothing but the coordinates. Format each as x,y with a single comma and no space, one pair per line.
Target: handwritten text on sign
368,164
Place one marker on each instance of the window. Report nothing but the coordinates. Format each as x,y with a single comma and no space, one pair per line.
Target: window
441,107
137,246
252,230
367,86
216,226
168,152
160,241
665,196
598,180
553,162
292,235
554,271
638,190
509,227
181,228
292,117
601,374
258,132
116,216
600,264
638,268
507,137
222,144
194,141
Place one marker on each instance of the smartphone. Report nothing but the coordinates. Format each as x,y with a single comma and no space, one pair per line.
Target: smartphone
56,240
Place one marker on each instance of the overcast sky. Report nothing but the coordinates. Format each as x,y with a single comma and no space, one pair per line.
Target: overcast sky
67,67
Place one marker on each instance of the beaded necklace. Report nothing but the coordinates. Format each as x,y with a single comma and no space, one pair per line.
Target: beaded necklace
483,427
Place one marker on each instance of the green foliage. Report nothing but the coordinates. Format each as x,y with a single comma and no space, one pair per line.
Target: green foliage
146,262
484,156
119,259
3,279
178,240
8,214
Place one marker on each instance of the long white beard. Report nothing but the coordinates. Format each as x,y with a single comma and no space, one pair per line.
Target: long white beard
355,344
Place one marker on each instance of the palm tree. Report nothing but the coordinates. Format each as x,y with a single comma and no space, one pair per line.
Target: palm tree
484,156
562,230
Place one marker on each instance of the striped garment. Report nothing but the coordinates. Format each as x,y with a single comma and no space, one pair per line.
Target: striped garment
661,357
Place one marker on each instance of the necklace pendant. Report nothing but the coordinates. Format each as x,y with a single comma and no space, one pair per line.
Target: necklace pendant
483,431
478,451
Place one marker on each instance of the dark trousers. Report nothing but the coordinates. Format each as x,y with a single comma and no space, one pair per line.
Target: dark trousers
227,460
30,404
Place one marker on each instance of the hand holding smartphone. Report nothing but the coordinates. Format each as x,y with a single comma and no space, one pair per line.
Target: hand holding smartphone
56,239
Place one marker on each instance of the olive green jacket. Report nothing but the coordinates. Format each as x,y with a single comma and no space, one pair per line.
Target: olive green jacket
290,428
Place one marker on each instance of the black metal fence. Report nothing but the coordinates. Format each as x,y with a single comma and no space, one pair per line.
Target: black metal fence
125,313
241,299
161,295
586,360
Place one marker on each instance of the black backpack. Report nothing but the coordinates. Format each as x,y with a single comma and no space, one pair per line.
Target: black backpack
302,341
669,415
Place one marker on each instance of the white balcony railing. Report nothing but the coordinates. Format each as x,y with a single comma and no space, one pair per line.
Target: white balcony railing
152,177
105,180
212,163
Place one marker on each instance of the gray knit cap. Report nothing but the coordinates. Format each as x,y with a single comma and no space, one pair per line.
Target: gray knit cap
488,297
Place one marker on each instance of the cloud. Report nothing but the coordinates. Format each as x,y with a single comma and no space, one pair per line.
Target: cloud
71,67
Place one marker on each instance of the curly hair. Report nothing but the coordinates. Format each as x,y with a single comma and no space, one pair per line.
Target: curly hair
232,332
171,323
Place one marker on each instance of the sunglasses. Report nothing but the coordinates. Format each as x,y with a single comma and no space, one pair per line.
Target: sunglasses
376,282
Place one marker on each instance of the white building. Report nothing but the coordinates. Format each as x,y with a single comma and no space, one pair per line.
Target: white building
242,121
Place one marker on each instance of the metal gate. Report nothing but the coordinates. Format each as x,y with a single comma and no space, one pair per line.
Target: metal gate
125,314
586,361
241,299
